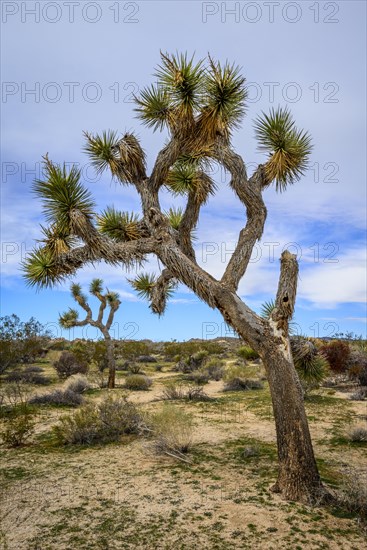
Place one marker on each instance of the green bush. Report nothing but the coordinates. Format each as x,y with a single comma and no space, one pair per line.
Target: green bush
138,382
18,426
100,423
247,353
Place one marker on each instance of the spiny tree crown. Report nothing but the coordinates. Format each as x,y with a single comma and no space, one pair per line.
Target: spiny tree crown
200,104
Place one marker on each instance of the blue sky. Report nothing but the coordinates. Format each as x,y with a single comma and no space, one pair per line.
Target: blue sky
69,67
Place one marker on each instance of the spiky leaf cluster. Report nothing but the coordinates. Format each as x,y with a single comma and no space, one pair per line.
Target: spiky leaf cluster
288,148
96,286
224,100
41,270
175,216
124,157
154,107
56,240
310,364
194,101
113,299
186,176
121,226
69,318
144,284
182,79
62,194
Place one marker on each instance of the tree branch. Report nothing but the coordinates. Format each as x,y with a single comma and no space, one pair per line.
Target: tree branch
287,290
250,194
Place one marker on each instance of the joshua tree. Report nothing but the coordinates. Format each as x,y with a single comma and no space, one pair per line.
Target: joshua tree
199,105
69,319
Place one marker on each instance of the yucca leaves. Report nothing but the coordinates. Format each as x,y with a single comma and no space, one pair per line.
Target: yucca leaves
288,148
121,226
154,107
310,364
267,309
57,240
124,157
100,149
186,176
40,269
96,286
76,290
61,194
113,299
224,100
175,216
69,318
182,79
144,284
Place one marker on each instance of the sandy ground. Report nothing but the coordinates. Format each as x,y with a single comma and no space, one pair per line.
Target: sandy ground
125,496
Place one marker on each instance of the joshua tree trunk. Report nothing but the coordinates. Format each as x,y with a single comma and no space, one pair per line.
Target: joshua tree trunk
110,361
298,477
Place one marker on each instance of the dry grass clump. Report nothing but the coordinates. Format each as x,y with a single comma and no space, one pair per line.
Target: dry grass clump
354,495
77,384
235,380
173,431
191,392
358,434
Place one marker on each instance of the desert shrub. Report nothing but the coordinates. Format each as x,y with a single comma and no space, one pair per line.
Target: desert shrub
198,376
191,392
146,359
77,384
134,368
138,382
354,494
198,358
359,395
100,423
63,398
173,430
33,368
20,342
337,354
18,426
28,377
214,368
358,434
242,384
84,350
247,353
250,451
131,349
68,364
184,366
122,365
99,356
177,350
357,366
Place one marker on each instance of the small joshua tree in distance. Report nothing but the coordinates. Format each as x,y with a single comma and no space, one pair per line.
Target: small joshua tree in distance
69,319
